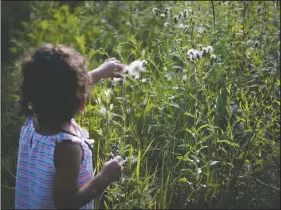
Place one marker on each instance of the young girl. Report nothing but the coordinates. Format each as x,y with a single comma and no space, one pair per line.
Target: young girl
55,159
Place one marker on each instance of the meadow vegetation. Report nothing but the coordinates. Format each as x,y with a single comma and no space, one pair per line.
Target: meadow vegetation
197,127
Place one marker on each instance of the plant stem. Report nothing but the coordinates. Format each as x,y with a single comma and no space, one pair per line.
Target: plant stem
214,15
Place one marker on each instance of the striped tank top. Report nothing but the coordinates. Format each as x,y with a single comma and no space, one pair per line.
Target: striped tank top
36,169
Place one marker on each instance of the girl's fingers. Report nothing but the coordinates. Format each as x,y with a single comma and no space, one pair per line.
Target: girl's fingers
111,59
118,75
119,66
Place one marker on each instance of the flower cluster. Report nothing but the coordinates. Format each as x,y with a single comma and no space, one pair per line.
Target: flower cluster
198,54
166,14
135,68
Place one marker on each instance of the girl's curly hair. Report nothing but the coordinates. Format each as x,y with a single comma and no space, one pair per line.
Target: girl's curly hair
54,78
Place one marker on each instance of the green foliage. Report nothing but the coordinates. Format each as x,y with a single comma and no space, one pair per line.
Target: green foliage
195,133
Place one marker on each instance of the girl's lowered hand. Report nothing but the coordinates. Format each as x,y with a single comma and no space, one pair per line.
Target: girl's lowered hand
112,170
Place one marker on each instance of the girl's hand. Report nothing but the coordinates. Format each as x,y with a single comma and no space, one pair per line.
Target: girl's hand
112,170
109,69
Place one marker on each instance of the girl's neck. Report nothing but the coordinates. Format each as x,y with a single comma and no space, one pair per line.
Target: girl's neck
52,128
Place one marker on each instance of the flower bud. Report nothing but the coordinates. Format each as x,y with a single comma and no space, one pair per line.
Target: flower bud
191,52
185,13
155,10
175,18
209,49
180,14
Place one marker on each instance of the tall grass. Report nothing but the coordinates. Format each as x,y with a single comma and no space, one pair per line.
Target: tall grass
193,134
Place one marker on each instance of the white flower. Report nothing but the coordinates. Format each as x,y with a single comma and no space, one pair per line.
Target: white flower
175,18
205,51
194,161
191,52
199,171
166,25
180,14
144,62
116,80
184,78
213,57
128,111
145,80
102,110
198,55
185,13
189,56
168,75
144,103
135,67
162,15
182,26
209,49
136,75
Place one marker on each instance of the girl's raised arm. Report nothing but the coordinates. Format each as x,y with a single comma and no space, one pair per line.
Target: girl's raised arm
109,69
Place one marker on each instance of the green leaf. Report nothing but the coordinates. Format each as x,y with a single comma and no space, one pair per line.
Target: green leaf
110,107
30,35
44,24
203,126
138,165
188,130
188,114
147,148
183,180
81,43
183,158
229,143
